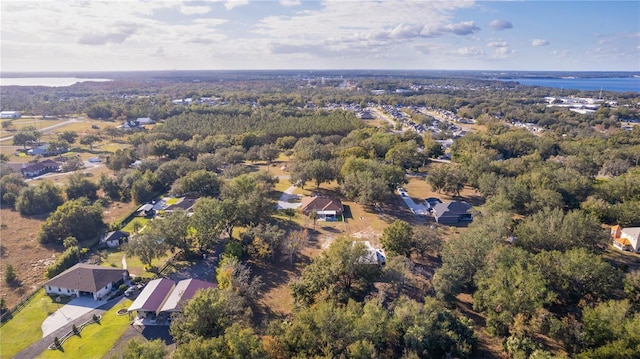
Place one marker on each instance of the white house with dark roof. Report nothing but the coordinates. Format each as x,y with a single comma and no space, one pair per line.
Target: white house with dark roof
113,239
325,207
86,280
40,168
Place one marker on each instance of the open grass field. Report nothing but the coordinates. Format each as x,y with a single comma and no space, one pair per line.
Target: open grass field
95,340
24,328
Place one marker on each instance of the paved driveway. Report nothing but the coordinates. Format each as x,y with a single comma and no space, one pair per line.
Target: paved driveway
69,312
416,208
286,197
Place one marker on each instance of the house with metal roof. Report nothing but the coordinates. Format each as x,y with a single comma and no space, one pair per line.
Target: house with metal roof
183,291
86,280
150,300
161,297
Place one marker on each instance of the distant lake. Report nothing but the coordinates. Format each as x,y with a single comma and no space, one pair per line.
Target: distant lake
45,81
617,84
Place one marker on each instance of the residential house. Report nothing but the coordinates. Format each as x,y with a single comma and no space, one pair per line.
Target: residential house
162,297
40,168
10,114
46,150
326,208
144,121
182,203
452,212
183,291
145,210
150,300
86,280
113,239
626,239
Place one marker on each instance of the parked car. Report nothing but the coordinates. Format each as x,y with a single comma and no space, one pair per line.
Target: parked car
130,291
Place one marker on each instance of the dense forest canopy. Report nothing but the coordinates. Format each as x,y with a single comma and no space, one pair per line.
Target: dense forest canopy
534,272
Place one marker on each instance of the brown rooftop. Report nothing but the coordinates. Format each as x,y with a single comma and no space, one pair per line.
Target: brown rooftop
87,277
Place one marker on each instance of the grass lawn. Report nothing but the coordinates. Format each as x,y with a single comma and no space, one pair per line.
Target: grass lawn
142,221
172,200
134,265
24,328
95,340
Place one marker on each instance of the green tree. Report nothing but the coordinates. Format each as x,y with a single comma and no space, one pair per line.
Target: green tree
465,255
139,349
173,229
25,136
339,273
208,221
10,276
79,186
147,247
397,238
111,187
552,229
234,276
76,218
427,240
90,140
208,313
10,187
265,241
68,136
200,183
508,287
578,275
43,198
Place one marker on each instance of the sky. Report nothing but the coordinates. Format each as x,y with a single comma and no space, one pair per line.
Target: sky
132,35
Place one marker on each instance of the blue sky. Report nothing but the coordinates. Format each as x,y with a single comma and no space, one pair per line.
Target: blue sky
293,34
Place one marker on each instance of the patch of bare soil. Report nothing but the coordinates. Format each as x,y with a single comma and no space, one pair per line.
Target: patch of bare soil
20,248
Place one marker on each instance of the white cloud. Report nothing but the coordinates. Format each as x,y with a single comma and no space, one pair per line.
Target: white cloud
539,42
503,53
468,52
290,2
194,10
497,44
499,25
462,28
561,53
230,4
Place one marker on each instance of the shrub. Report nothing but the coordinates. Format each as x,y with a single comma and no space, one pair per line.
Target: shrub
70,257
56,342
75,330
10,276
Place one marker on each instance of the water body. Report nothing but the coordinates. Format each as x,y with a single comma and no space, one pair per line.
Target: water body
617,84
45,81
